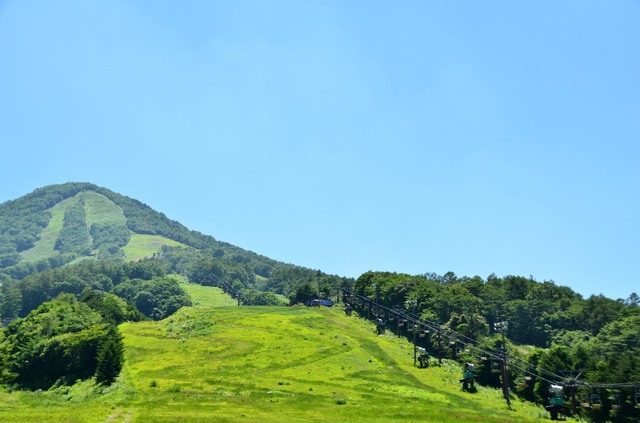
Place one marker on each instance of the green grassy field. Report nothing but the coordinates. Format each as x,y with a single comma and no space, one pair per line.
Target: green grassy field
206,296
216,362
141,246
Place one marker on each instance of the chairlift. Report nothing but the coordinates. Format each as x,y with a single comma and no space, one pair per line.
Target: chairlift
596,402
423,333
586,402
636,399
496,366
556,402
468,376
615,401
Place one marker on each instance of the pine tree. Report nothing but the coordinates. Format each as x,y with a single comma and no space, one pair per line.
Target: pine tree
110,357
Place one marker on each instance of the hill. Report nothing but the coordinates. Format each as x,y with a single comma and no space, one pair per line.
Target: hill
268,364
82,219
60,224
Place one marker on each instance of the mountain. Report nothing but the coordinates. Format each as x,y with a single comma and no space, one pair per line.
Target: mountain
59,224
76,259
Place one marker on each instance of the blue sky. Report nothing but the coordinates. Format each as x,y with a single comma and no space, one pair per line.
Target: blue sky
474,137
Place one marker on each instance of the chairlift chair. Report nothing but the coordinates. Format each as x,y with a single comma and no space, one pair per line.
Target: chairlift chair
615,401
636,399
596,402
585,403
556,402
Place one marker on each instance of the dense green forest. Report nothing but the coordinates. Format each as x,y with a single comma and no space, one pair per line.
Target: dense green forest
66,284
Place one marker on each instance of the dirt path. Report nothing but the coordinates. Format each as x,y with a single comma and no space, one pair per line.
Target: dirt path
119,416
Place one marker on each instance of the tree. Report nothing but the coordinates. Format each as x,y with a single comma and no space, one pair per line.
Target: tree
303,293
11,301
110,357
57,341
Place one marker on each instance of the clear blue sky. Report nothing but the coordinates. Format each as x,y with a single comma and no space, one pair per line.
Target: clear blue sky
416,136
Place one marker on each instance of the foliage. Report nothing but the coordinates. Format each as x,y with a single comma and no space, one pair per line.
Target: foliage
74,236
597,336
99,223
109,237
303,293
156,298
56,342
110,357
11,303
252,297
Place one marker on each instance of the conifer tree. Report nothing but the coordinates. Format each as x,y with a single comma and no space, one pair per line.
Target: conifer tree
110,357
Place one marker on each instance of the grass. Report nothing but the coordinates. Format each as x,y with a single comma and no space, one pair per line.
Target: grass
141,246
98,209
215,362
293,364
44,247
206,296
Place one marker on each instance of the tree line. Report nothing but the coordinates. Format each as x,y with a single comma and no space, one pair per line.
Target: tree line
550,329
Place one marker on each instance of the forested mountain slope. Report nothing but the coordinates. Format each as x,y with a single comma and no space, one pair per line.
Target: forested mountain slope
82,219
59,224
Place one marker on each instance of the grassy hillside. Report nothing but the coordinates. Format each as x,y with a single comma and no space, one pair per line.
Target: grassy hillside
207,296
98,209
293,364
58,224
44,247
141,246
217,362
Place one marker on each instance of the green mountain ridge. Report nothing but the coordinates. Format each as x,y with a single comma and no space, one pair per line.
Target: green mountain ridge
59,224
34,220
